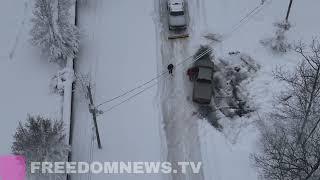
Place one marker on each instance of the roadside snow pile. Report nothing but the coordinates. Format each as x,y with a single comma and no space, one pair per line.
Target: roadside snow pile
230,80
231,107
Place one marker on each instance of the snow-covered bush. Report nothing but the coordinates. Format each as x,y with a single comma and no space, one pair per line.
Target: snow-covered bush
60,79
41,139
231,96
82,82
209,113
231,99
278,43
53,31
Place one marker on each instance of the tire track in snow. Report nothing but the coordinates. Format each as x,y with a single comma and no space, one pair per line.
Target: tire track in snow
180,127
17,39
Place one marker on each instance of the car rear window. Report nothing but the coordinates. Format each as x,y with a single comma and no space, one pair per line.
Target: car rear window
177,13
204,81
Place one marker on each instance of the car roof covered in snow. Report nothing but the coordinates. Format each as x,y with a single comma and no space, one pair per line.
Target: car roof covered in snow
204,62
205,73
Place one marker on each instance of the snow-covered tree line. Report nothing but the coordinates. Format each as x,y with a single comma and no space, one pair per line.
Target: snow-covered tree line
42,139
290,139
53,31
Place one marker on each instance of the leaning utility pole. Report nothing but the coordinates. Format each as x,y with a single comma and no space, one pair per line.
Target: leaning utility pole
93,111
288,11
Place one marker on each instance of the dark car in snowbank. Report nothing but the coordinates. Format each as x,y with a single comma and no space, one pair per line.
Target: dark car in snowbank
203,87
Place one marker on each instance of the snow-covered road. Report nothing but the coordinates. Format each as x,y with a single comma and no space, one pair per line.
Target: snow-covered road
119,52
180,126
124,44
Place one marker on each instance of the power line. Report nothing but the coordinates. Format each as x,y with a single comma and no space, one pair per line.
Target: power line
128,99
127,92
243,21
247,15
157,77
149,87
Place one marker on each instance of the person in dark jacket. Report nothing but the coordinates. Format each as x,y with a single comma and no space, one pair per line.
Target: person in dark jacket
170,68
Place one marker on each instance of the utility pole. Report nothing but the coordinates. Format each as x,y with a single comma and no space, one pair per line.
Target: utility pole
288,11
93,111
70,64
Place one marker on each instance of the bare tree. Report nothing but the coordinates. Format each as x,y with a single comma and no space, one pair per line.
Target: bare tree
291,145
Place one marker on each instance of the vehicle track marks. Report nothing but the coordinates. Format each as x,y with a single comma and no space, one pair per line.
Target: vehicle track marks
17,38
179,126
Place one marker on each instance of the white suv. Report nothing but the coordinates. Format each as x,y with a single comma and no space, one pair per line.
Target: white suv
177,18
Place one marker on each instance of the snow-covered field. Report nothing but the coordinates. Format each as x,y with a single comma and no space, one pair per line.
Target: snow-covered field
227,154
24,73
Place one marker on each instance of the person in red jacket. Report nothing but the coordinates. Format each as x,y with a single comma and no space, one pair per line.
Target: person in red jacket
192,72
